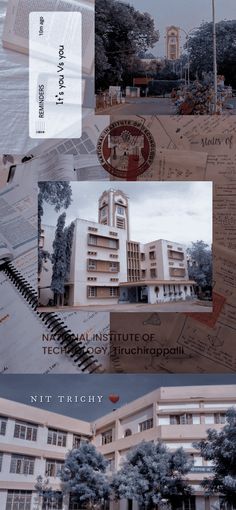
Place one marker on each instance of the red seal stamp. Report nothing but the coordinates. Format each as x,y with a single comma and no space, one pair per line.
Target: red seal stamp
126,149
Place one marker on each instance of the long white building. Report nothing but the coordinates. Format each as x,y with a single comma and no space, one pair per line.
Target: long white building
34,442
107,267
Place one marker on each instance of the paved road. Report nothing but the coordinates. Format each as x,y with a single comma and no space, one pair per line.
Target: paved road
182,306
143,106
154,106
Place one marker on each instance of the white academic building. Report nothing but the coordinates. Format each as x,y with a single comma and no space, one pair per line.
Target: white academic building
107,267
34,441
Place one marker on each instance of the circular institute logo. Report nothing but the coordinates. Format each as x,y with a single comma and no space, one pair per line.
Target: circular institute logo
126,149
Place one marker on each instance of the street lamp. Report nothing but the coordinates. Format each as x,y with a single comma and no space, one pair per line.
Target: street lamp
187,42
214,56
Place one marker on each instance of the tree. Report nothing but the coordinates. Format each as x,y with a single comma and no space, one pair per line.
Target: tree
61,256
47,495
151,474
121,33
200,264
58,194
201,50
220,449
83,476
69,234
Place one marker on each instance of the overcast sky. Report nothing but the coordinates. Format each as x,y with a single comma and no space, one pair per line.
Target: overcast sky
127,386
186,14
176,211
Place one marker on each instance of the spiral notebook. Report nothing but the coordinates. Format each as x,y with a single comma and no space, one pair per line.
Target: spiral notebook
75,350
32,341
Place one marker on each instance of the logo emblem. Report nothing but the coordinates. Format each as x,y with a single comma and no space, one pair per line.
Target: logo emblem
126,149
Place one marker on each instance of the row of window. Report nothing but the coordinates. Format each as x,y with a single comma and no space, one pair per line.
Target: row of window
29,432
103,242
182,419
21,500
107,436
110,292
24,465
187,418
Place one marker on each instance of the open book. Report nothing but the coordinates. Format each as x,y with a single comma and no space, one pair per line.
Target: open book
16,27
18,223
19,297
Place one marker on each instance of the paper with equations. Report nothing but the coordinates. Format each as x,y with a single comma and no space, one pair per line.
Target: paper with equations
55,81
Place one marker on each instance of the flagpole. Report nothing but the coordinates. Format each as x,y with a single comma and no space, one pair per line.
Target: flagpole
214,56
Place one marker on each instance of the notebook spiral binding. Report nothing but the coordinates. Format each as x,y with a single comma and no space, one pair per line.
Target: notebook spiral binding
74,348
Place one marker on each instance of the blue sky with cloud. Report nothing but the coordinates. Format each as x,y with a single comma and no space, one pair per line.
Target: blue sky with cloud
176,211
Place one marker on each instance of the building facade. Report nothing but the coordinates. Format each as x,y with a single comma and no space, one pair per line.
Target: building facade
107,267
34,442
172,43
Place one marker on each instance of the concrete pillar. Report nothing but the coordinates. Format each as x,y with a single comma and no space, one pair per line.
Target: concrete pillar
200,503
3,499
160,296
154,414
151,295
117,431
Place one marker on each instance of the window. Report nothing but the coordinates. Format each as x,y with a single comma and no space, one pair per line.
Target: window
73,505
112,243
92,229
114,266
153,272
92,264
56,437
152,255
3,426
92,291
107,437
185,503
128,432
120,222
104,211
110,464
22,465
181,419
113,233
1,457
53,467
92,239
24,430
142,255
120,210
53,503
220,418
114,291
145,425
18,500
77,440
92,278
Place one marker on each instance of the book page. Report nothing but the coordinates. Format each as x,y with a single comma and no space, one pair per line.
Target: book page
18,222
16,28
48,167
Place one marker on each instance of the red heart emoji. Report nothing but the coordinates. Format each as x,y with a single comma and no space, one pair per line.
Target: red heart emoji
114,398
